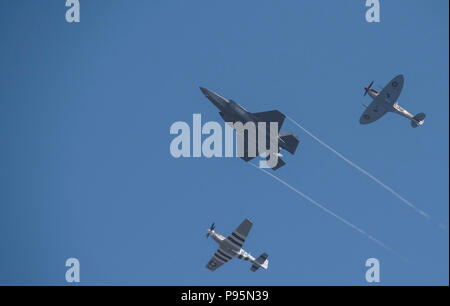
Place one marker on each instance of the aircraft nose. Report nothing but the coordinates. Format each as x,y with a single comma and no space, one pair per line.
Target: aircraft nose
216,99
208,93
205,91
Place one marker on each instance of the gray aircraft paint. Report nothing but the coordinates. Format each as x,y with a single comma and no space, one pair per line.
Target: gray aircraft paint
240,119
386,101
231,247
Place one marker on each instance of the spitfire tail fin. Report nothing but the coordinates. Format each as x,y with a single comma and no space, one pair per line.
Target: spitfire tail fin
289,141
417,120
261,261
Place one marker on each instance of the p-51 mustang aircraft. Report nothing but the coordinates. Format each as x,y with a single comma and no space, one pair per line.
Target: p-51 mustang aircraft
232,112
386,101
232,247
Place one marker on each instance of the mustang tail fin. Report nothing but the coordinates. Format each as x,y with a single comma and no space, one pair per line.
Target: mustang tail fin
417,120
261,261
289,141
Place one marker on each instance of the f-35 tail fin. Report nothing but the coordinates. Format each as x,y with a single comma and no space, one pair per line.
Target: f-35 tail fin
280,164
261,261
289,142
417,120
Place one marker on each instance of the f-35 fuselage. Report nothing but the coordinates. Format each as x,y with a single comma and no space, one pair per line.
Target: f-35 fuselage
233,113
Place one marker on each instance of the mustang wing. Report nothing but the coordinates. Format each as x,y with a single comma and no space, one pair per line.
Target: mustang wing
218,259
237,238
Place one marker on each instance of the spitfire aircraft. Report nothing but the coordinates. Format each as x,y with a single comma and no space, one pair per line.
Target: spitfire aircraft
232,112
232,247
386,101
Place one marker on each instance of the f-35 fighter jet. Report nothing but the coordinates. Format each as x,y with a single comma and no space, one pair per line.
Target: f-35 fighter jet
232,113
232,247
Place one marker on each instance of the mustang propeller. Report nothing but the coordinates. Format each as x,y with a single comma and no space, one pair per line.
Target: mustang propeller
368,88
213,226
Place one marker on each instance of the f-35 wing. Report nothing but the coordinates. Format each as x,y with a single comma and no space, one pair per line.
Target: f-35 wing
237,238
373,112
270,116
391,91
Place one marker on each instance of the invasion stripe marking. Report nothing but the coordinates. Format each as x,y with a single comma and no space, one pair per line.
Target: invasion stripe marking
221,258
227,251
234,234
235,242
224,254
218,260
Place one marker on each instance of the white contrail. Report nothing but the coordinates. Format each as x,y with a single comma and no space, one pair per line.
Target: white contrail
362,170
331,212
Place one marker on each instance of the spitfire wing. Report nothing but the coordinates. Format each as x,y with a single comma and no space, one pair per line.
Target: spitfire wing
373,112
391,91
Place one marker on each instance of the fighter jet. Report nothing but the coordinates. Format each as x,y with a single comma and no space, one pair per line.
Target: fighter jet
232,247
232,112
386,101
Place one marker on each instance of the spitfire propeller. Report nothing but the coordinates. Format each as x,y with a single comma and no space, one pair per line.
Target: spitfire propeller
368,88
212,227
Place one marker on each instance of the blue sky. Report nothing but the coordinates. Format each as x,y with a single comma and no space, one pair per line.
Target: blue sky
85,167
